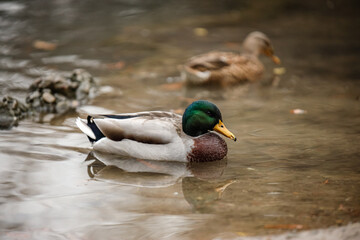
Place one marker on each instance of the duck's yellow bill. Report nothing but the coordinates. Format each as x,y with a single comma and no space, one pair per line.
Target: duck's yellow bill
220,128
275,59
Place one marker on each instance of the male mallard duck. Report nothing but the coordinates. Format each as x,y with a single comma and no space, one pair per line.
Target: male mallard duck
159,135
226,68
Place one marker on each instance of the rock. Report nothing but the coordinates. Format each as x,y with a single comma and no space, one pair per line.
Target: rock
75,104
74,85
56,94
49,94
48,97
11,111
46,83
35,103
80,75
33,95
7,120
59,97
62,106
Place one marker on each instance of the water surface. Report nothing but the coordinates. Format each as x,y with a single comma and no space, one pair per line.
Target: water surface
285,169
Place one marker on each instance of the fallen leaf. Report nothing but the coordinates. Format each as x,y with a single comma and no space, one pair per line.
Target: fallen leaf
326,181
117,65
241,234
342,208
354,212
298,111
284,226
172,86
339,221
200,32
42,45
279,71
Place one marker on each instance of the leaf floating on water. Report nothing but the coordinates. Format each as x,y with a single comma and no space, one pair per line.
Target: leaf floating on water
117,65
172,86
279,71
326,181
339,221
353,212
42,45
284,226
298,111
241,234
341,207
201,32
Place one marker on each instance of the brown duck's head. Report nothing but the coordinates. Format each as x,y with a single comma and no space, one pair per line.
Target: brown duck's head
258,43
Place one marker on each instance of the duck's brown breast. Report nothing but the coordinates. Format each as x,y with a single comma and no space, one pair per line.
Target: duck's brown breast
208,147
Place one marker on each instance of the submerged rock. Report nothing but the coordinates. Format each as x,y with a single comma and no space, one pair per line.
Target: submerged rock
49,95
57,94
11,111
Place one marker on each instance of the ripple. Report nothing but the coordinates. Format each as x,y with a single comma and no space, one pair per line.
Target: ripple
10,63
11,7
73,59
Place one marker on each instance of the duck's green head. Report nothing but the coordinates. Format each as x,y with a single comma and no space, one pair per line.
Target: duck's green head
201,117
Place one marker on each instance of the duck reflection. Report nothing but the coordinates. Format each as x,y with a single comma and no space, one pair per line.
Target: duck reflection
201,182
202,194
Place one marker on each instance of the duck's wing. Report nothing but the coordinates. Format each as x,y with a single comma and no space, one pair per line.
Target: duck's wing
213,61
224,68
246,68
155,127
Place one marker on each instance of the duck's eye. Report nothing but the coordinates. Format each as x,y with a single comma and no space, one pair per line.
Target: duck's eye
267,43
209,113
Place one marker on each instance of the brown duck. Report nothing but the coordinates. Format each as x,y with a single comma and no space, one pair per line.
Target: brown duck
226,68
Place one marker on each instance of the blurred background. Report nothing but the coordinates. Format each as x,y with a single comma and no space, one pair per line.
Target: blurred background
147,41
287,171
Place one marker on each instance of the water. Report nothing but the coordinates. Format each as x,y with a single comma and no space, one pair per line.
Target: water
284,169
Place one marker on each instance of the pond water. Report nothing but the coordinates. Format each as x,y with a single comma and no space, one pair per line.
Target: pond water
285,171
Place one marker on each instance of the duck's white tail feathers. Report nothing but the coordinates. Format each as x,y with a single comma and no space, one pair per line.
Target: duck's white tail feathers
85,128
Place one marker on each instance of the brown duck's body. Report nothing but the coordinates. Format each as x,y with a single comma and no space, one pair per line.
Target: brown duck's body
226,68
222,68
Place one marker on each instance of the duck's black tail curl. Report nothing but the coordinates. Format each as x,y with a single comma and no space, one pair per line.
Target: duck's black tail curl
92,125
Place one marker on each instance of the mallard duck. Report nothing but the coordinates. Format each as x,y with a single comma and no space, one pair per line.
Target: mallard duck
160,135
226,68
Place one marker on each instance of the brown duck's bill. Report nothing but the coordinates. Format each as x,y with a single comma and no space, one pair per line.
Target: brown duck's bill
275,59
220,128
